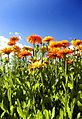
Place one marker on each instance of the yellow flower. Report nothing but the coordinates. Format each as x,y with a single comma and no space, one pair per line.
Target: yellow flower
76,42
36,64
48,39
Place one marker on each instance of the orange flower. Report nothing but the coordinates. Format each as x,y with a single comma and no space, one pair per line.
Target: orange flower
11,43
28,48
16,48
77,42
24,54
65,43
53,53
65,51
7,50
79,47
34,39
14,39
48,39
55,44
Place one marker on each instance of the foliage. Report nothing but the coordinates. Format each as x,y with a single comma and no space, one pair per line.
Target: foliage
44,82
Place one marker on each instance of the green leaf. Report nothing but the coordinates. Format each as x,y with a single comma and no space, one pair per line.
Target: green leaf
3,108
36,86
3,114
70,86
53,113
69,112
78,116
80,86
45,113
11,109
72,105
9,94
20,112
61,114
81,95
28,84
72,76
6,85
17,79
79,104
63,85
39,115
24,104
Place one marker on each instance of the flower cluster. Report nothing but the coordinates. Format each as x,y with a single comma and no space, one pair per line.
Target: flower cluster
43,80
43,48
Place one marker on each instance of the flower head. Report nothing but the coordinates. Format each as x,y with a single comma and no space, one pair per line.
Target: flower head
53,53
14,39
24,54
36,64
16,48
65,43
77,42
34,39
7,50
65,51
56,44
48,39
27,48
11,43
79,48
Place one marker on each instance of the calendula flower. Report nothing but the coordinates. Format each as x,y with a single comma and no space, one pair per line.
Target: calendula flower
65,43
77,42
34,39
47,39
28,48
11,43
53,53
36,64
16,48
65,51
24,54
14,39
56,44
79,48
7,50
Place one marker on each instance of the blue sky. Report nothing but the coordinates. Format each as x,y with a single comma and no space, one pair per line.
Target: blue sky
61,19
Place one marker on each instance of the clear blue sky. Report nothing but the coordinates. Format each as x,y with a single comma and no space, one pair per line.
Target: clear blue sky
61,19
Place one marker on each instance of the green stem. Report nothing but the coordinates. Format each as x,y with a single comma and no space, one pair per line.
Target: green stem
66,87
